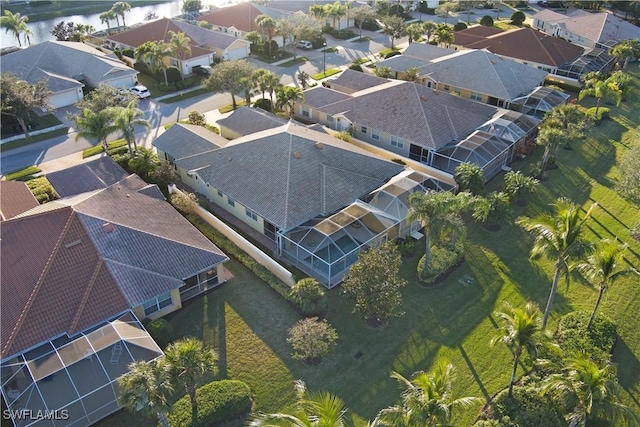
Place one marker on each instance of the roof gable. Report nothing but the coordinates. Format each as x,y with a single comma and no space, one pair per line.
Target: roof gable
85,177
15,198
241,16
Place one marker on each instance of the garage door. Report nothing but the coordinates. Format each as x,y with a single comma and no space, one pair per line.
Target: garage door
62,99
237,53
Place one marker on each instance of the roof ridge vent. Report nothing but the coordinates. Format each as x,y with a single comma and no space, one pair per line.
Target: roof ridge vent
108,227
423,98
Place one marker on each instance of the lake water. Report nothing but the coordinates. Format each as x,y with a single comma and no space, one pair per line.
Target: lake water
41,29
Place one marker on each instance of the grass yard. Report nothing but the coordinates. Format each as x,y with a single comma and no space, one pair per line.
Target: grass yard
327,73
247,322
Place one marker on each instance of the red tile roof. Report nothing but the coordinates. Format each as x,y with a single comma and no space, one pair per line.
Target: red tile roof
241,16
15,198
473,34
527,44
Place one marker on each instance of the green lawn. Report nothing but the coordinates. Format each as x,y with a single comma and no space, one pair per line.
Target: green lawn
327,73
247,322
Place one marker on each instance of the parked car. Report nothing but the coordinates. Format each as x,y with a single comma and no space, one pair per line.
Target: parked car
140,91
202,70
305,44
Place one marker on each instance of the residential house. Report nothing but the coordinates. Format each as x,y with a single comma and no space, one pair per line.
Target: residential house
473,74
284,181
68,67
245,121
206,45
590,30
15,198
94,175
305,6
410,119
79,274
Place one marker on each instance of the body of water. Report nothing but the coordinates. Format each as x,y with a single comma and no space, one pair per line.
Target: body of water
41,29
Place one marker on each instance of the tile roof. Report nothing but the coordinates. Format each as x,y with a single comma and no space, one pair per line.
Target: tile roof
247,120
93,175
15,198
600,27
193,140
71,267
241,16
473,34
356,80
320,96
528,44
291,174
61,63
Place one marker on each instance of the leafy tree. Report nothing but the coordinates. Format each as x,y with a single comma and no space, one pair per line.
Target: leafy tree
188,361
96,125
444,10
384,72
601,89
603,267
335,11
486,21
459,26
427,399
412,74
590,393
227,76
520,331
559,237
569,118
154,53
125,119
179,46
383,7
625,51
15,23
164,174
312,410
81,32
444,35
362,14
150,15
516,185
312,339
517,18
414,31
191,6
285,28
196,118
147,388
287,96
491,209
144,162
256,41
302,27
20,98
628,184
309,296
394,27
374,283
62,31
268,27
119,9
470,176
106,96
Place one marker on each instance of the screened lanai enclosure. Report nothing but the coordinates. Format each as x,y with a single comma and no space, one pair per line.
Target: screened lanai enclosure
539,102
73,381
492,146
592,60
325,248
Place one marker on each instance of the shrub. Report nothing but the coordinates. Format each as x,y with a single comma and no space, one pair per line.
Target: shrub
518,18
343,34
92,151
128,53
371,25
142,67
407,248
355,67
603,113
263,103
399,161
173,75
117,150
218,401
486,21
160,330
442,261
41,189
23,174
527,408
309,296
197,118
459,26
184,202
597,341
312,339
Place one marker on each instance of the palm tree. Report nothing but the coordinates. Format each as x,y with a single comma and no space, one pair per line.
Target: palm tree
179,46
336,11
470,176
603,267
520,331
411,74
317,11
154,54
444,35
557,236
125,120
626,50
27,33
426,399
147,387
427,208
569,118
550,137
268,27
287,96
14,23
303,79
429,27
95,125
272,83
602,89
312,410
188,361
415,31
590,392
120,8
106,18
144,162
516,185
491,209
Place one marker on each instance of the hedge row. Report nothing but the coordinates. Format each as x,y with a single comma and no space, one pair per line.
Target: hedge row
23,174
228,247
114,147
41,189
218,401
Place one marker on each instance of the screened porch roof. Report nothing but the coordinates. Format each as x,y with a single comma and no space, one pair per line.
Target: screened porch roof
479,147
542,100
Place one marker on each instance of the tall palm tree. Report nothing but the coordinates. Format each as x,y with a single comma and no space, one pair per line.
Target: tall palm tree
336,11
95,125
147,387
317,11
603,267
268,27
14,23
470,176
106,18
287,96
154,53
444,35
426,400
415,31
188,360
272,83
626,50
517,184
520,331
120,8
125,120
568,117
312,410
601,89
144,162
179,45
427,208
559,237
550,137
590,393
429,27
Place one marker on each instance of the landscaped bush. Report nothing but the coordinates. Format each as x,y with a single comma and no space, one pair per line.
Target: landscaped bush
460,26
263,103
218,401
196,118
486,21
355,67
597,341
23,174
309,296
443,260
502,422
518,18
160,330
174,76
370,25
312,339
142,67
407,248
342,34
527,408
128,53
603,113
185,202
388,53
41,189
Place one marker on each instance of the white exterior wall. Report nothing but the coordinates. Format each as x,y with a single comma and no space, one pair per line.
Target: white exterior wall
68,97
176,304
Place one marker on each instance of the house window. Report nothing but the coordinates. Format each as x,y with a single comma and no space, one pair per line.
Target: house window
395,142
476,96
219,193
306,112
329,118
428,84
157,304
375,135
173,62
363,129
251,214
231,202
447,88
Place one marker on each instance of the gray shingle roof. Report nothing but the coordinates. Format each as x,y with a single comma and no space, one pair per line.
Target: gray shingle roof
320,96
356,80
425,52
247,120
600,27
291,174
193,140
207,38
94,175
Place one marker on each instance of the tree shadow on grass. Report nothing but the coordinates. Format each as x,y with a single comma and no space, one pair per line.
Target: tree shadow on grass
628,372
